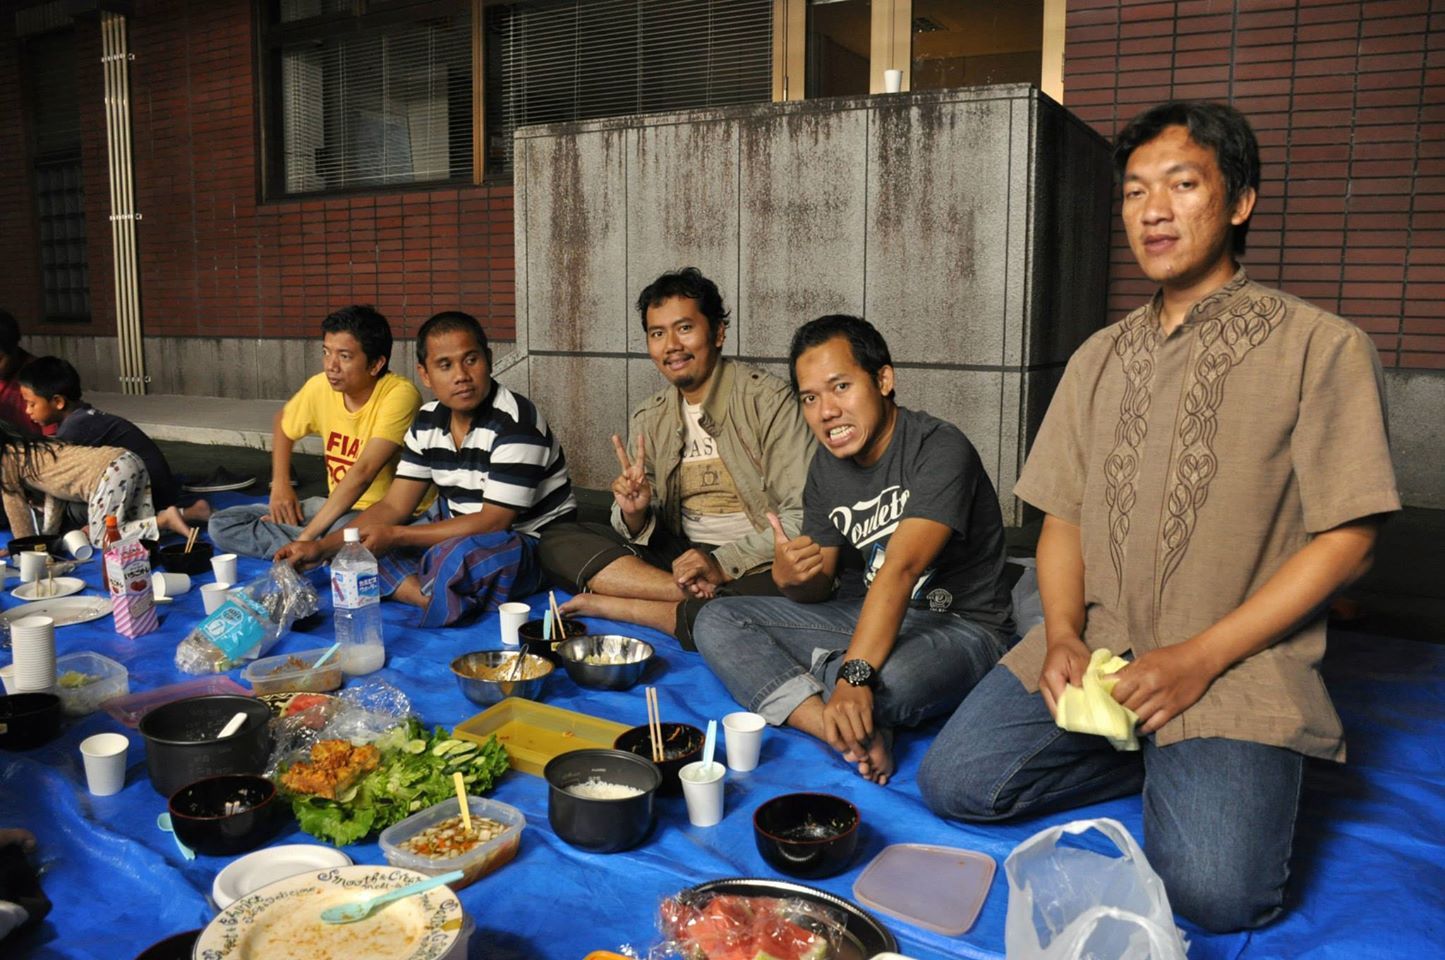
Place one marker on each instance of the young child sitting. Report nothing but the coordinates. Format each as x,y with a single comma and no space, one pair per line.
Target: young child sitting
52,392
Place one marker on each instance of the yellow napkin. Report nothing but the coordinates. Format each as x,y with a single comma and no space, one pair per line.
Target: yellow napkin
1091,708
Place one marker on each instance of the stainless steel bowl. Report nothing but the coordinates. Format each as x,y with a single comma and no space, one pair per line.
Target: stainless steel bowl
631,659
473,669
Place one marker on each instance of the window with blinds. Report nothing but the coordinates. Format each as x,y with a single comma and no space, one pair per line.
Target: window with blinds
557,60
368,94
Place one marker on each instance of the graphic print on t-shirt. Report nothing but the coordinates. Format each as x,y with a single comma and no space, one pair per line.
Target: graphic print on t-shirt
712,511
341,453
869,524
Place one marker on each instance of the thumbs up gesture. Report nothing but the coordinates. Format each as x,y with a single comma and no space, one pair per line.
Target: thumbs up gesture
796,561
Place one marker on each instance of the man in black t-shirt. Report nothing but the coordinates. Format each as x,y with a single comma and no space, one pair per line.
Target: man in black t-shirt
908,492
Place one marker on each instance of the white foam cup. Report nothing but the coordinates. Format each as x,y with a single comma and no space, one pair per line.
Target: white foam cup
104,756
166,584
513,616
213,595
7,678
77,544
743,734
32,565
702,787
892,81
224,567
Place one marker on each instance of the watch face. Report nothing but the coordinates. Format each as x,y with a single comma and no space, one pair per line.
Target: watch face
857,672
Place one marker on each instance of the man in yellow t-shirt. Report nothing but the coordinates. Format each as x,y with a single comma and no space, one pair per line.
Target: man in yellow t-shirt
360,411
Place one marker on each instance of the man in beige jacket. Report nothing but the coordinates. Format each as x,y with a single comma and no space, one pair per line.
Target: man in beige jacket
710,456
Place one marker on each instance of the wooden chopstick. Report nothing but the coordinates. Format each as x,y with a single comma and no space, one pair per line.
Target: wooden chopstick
556,616
654,725
191,538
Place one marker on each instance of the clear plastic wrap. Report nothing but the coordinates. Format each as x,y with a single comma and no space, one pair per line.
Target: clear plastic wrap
360,714
249,623
717,926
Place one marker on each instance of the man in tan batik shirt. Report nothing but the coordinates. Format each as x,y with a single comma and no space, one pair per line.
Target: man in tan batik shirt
1212,469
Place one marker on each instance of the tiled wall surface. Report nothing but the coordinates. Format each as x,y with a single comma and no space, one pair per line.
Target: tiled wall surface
1348,100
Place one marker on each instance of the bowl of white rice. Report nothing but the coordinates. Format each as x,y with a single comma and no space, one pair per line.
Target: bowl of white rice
601,800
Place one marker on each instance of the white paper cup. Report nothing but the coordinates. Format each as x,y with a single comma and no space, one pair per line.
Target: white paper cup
224,567
213,595
32,565
104,756
7,678
703,792
77,544
165,584
513,616
743,733
892,81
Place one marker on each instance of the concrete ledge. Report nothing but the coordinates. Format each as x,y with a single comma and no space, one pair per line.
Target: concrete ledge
217,421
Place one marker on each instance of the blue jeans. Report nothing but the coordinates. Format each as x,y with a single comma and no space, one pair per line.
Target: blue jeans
240,529
772,654
1219,815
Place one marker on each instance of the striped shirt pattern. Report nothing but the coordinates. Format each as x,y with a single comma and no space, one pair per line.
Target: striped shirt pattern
509,458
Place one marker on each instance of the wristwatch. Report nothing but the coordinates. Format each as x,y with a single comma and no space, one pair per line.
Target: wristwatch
858,673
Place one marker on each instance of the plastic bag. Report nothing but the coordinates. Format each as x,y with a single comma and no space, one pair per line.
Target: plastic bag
359,714
249,623
713,926
1065,903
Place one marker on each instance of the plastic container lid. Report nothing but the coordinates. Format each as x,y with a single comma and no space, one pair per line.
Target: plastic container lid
476,862
351,535
129,709
937,888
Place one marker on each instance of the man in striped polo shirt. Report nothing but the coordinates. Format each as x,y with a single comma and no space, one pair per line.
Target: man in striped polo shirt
500,477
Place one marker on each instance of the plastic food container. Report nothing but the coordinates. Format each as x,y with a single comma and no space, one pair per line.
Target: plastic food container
291,672
111,680
476,862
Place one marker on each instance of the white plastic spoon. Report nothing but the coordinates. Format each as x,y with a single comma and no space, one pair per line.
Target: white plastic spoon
232,725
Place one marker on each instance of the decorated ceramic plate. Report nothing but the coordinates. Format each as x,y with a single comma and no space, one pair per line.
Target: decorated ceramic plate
48,589
282,921
64,611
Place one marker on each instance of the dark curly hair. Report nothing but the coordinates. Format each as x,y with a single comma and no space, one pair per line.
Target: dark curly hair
687,282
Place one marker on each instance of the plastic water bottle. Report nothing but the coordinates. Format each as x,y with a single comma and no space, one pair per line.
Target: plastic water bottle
356,596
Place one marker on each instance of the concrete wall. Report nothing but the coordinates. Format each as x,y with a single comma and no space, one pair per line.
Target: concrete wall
971,226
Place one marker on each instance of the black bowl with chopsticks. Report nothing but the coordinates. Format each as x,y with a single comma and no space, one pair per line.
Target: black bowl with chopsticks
681,745
175,558
532,641
221,816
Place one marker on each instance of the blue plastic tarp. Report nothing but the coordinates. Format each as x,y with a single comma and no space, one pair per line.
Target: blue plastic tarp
1367,875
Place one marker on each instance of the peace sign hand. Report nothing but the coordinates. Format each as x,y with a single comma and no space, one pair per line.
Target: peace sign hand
631,489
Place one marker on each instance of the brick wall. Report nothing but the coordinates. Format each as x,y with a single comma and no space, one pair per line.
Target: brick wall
213,260
1348,101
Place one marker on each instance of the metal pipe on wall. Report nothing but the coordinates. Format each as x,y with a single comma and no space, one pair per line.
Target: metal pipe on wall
123,216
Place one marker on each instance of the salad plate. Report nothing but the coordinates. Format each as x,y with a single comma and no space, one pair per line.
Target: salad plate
282,920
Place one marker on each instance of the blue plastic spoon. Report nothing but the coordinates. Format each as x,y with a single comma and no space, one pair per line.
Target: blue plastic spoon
352,912
164,822
709,745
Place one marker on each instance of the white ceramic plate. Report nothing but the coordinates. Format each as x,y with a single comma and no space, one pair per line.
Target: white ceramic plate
65,611
255,870
282,921
41,589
